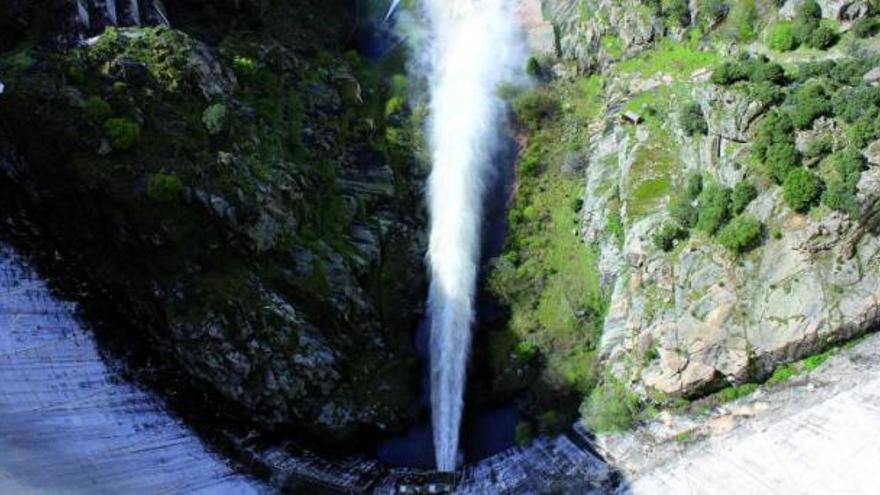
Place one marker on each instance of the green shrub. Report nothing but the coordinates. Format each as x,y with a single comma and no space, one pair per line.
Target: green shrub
781,374
244,67
762,70
692,120
523,434
97,110
744,17
781,159
776,127
713,208
734,392
682,210
819,146
694,185
164,187
534,107
610,407
865,27
664,239
743,194
728,73
713,11
865,129
823,37
806,20
842,188
809,102
533,67
214,118
678,13
780,37
801,189
123,133
852,103
742,234
532,162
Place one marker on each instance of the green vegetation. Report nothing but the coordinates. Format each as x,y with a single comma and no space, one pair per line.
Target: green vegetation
534,108
842,186
164,188
743,194
523,434
801,189
214,118
865,27
808,15
713,208
823,37
677,12
669,57
664,239
752,69
808,103
743,233
734,392
610,407
713,11
780,37
97,110
744,17
692,121
123,133
851,104
533,67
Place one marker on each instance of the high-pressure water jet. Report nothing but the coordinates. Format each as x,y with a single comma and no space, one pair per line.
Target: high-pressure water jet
474,49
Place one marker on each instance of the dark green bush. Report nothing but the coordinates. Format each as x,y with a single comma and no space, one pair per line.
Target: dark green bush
533,67
743,194
776,127
808,103
682,210
842,197
664,239
713,11
692,120
694,185
814,70
758,69
780,37
164,187
819,146
523,433
823,37
123,133
781,159
610,407
801,189
848,165
865,129
97,110
533,108
806,20
678,13
865,27
765,92
742,234
532,162
713,208
852,103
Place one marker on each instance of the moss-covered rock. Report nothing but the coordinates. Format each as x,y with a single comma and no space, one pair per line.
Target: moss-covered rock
271,245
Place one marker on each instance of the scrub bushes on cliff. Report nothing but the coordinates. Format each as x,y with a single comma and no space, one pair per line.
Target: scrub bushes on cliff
808,103
743,194
852,103
665,238
123,133
97,110
713,208
780,37
806,20
801,189
865,27
692,121
741,234
533,108
842,187
164,188
823,37
610,407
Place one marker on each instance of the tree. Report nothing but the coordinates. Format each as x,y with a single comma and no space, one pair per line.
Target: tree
823,37
781,159
743,194
775,128
692,120
742,234
809,102
713,208
780,37
801,189
665,238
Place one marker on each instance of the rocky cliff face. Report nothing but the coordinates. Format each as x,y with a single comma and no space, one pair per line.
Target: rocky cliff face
246,194
715,265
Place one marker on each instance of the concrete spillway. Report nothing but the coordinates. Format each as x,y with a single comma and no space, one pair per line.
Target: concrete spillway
69,424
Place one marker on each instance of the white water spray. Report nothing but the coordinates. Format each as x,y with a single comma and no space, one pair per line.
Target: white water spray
475,48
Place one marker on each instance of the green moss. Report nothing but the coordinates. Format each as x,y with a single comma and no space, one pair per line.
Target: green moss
734,392
781,374
214,118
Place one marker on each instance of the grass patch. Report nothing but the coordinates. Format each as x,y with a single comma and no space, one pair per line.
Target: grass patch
669,57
